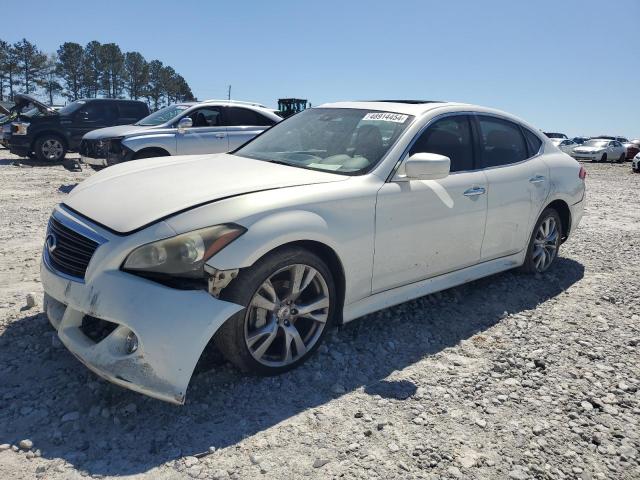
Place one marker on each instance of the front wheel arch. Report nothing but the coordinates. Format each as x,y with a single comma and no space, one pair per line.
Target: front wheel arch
150,152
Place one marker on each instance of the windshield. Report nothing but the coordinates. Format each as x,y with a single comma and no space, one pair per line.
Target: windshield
72,107
596,143
163,115
341,140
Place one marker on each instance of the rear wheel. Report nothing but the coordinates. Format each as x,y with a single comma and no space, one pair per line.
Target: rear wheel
50,148
544,243
290,301
621,159
604,157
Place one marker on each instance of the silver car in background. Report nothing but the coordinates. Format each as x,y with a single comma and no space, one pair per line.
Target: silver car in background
211,126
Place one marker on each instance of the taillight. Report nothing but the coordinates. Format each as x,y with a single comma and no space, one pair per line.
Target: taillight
583,173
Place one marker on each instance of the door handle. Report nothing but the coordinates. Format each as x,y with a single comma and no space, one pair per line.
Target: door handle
537,179
474,191
220,135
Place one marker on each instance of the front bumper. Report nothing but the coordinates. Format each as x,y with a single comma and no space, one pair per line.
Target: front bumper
587,157
172,326
19,145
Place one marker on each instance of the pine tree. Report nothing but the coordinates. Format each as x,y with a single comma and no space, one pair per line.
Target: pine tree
136,74
49,81
31,64
91,69
70,67
155,87
112,78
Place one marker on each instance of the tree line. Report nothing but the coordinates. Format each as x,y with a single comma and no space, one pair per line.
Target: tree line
95,70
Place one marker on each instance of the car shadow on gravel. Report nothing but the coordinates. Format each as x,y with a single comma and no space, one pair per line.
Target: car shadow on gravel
69,413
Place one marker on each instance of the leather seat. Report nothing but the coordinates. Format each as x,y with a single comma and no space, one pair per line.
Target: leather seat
200,121
368,143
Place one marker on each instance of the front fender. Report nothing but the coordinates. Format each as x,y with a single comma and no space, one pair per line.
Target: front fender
270,232
165,141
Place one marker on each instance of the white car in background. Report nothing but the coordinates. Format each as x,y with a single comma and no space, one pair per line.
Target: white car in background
600,150
635,163
334,213
564,144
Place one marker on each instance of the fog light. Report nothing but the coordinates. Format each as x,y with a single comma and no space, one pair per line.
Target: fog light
131,342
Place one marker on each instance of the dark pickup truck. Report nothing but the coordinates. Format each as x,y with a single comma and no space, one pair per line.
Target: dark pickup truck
37,130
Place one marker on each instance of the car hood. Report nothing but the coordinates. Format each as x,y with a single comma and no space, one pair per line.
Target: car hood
130,196
117,131
21,101
3,111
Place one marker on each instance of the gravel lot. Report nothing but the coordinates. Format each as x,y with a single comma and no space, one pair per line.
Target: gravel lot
512,376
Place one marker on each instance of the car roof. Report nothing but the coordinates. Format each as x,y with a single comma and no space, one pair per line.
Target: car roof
407,107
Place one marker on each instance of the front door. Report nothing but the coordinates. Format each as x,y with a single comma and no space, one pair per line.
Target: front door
91,116
426,228
207,135
518,181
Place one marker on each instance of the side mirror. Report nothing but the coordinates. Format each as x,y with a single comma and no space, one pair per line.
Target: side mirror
427,166
184,123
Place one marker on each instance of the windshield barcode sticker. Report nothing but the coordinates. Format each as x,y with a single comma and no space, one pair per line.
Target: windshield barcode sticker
386,117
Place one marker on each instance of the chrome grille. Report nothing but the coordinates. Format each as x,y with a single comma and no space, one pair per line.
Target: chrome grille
67,251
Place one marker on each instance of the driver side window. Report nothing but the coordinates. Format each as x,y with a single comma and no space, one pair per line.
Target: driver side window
206,117
451,137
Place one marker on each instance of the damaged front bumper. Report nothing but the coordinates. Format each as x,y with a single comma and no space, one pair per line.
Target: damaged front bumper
171,327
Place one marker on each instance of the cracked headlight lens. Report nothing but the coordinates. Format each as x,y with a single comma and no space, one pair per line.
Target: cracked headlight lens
183,255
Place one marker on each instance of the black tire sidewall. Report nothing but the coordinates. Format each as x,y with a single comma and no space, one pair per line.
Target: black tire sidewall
38,148
230,337
528,265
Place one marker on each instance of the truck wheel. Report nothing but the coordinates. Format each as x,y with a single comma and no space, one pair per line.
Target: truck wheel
50,148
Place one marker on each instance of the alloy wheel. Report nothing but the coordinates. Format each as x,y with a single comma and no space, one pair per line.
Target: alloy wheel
287,315
52,149
545,244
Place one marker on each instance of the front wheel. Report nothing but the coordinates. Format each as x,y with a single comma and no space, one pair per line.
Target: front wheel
544,243
50,148
621,159
604,157
290,301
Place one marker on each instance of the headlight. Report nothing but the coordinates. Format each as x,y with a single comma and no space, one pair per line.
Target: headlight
20,128
183,255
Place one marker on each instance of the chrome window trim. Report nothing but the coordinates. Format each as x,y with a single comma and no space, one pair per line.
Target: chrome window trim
76,227
404,154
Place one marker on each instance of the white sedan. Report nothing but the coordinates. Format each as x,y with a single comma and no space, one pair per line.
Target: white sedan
334,213
600,150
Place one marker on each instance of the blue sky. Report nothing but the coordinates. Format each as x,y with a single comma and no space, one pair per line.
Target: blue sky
570,66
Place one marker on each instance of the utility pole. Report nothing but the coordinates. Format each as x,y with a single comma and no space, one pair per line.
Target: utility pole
229,93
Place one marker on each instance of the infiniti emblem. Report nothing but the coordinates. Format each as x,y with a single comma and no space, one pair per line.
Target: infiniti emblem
51,242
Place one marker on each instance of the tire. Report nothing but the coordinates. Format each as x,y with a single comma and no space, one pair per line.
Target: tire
604,157
269,327
621,159
539,243
50,148
150,154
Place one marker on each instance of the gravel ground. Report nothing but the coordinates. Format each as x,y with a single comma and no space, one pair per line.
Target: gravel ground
512,376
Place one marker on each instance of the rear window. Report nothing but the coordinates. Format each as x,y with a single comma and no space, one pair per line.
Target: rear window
534,142
237,116
502,142
131,111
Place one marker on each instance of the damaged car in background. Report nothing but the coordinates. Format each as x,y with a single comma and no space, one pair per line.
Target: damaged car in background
47,133
331,214
211,126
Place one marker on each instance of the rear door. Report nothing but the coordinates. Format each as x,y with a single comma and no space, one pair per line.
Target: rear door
243,124
518,183
208,133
